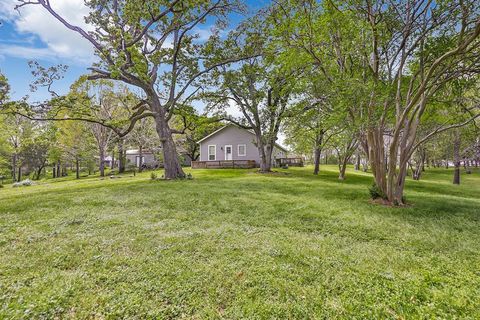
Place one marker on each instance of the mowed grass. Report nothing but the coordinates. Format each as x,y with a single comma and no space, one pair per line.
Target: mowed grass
235,244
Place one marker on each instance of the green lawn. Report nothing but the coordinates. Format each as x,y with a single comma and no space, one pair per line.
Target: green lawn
239,245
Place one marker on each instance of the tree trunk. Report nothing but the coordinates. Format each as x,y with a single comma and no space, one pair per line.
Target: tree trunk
112,165
121,158
171,163
264,167
318,152
14,167
101,165
59,169
357,161
77,169
343,168
377,157
39,173
19,177
265,153
316,160
140,160
456,157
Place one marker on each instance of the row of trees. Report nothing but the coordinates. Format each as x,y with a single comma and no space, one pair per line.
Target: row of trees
29,145
377,78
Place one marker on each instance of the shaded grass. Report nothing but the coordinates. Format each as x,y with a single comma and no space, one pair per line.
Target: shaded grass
236,244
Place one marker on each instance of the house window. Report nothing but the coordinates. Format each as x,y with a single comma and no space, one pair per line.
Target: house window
242,150
212,151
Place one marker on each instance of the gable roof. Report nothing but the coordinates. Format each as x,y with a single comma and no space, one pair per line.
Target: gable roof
233,125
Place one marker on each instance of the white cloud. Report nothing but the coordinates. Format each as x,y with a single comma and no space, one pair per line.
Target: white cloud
59,41
26,52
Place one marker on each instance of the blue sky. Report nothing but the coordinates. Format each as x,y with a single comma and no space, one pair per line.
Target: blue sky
32,34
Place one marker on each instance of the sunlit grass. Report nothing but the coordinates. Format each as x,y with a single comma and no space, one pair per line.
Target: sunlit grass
236,244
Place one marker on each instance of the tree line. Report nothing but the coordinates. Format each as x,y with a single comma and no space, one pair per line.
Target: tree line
378,83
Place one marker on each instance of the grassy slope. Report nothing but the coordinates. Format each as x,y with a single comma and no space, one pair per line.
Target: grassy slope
236,244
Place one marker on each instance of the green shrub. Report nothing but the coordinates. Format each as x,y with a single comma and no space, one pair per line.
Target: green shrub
153,176
376,193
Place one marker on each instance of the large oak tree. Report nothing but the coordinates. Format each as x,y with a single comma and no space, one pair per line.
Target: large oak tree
154,46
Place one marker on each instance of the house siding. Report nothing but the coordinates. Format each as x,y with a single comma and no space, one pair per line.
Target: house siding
234,136
149,158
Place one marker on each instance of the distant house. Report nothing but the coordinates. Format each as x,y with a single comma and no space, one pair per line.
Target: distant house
147,157
108,161
234,143
150,159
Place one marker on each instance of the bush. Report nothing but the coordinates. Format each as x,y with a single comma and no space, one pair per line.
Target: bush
153,176
376,193
1,186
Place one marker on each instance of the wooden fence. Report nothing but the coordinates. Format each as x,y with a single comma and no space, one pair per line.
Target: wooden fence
291,162
224,164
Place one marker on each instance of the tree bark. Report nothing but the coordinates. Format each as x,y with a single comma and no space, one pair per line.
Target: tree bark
456,157
14,167
121,157
112,165
316,160
77,169
357,161
59,169
318,152
171,163
343,169
265,152
140,160
101,165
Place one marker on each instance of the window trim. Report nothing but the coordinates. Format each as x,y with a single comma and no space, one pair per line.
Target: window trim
214,154
245,150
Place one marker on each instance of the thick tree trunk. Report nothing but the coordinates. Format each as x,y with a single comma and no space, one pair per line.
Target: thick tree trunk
264,163
171,163
265,153
456,157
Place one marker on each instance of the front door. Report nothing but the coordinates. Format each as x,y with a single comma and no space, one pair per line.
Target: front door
228,152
